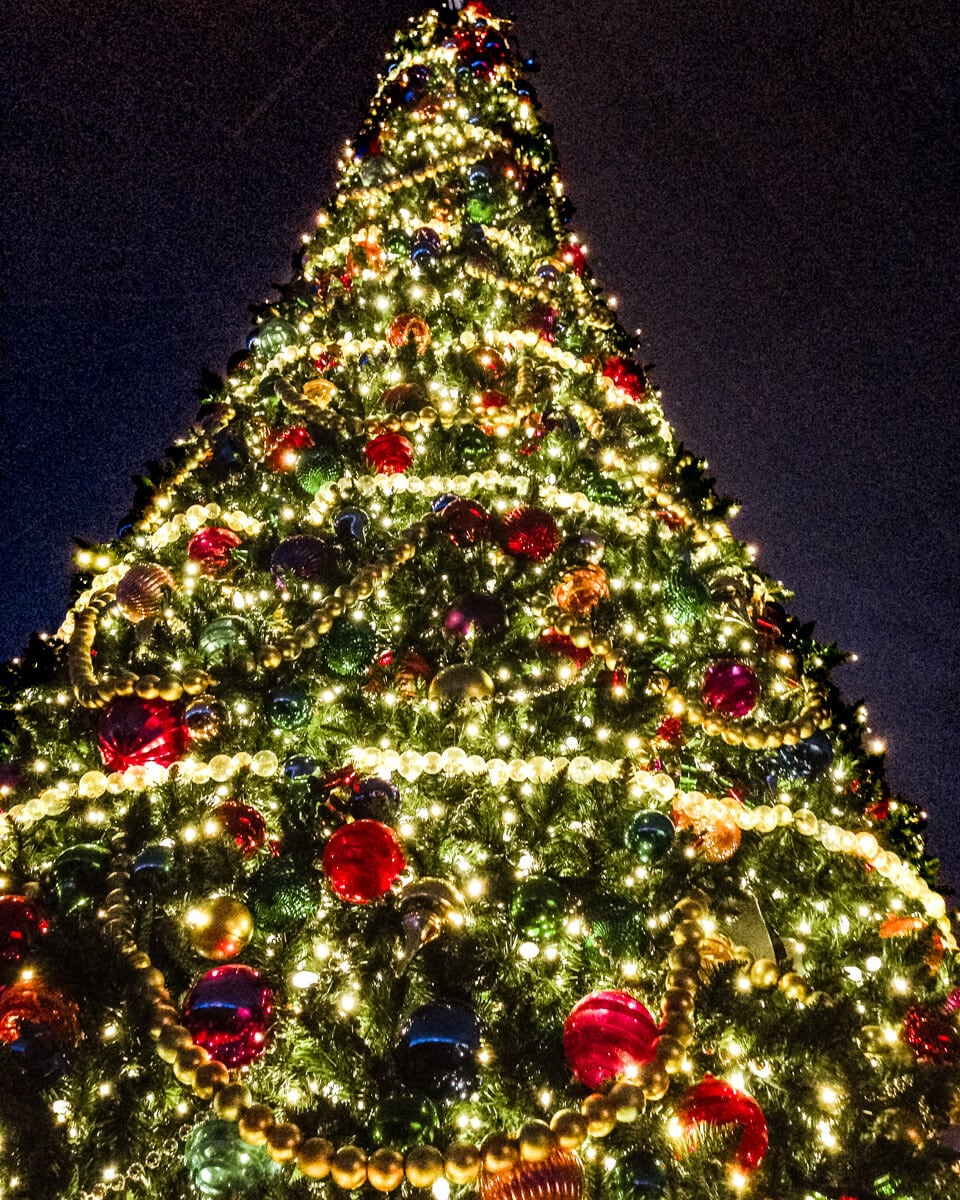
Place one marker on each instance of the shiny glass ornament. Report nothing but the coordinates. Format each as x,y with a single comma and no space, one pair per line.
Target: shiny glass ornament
300,768
539,908
218,927
403,397
229,1012
152,868
79,876
222,637
311,559
406,329
476,613
626,376
572,256
465,523
289,707
362,861
481,207
22,925
488,363
140,593
730,689
404,1119
529,534
33,1002
425,246
426,907
714,1103
437,1050
280,895
213,549
133,732
590,545
650,835
638,1175
318,467
222,1166
202,718
718,840
389,453
274,336
557,1177
932,1036
284,446
461,682
351,525
244,824
607,1035
581,589
349,648
808,759
36,1055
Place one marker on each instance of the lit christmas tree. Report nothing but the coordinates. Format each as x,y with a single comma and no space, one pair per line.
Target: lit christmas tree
426,793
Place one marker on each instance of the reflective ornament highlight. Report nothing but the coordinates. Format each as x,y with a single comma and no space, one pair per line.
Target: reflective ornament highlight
459,683
222,1166
437,1050
639,1175
140,593
244,824
351,525
310,559
539,908
218,927
713,1103
529,534
582,589
318,467
229,1012
289,707
213,549
607,1035
408,329
152,868
362,861
202,718
22,925
134,732
222,637
730,689
389,453
557,1177
79,876
426,907
465,523
33,1004
476,613
650,835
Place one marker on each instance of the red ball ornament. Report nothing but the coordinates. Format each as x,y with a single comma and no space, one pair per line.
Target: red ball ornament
362,861
529,534
244,823
284,446
713,1103
389,453
228,1012
134,732
608,1034
625,376
670,730
572,254
932,1037
466,523
560,644
730,688
33,1002
22,925
213,549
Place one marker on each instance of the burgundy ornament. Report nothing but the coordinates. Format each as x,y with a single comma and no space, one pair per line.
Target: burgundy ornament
303,557
244,823
134,732
529,534
213,549
466,523
228,1012
362,861
608,1034
931,1036
476,612
712,1103
22,925
730,688
284,446
389,453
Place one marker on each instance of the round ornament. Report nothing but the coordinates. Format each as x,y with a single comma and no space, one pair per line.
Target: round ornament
218,927
425,246
303,557
638,1175
437,1049
650,835
713,1103
559,1176
465,523
686,597
289,707
152,868
300,768
529,534
244,824
318,467
140,592
22,925
284,446
213,549
426,907
488,363
389,453
608,1034
476,613
572,256
459,683
79,876
202,718
362,861
626,376
36,1055
222,637
808,759
32,1003
133,732
481,207
349,648
408,329
222,1166
730,688
539,908
403,1120
590,545
719,840
582,589
403,397
560,645
280,895
274,336
228,1012
932,1037
351,525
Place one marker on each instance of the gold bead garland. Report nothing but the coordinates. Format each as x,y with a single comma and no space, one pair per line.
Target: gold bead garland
814,715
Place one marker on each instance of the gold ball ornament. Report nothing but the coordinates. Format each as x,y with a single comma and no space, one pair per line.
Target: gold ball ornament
557,1177
461,1163
764,973
537,1141
210,1078
653,1080
499,1151
600,1115
254,1122
218,927
314,1156
385,1169
188,1060
140,592
348,1168
282,1141
231,1101
570,1128
459,683
424,1166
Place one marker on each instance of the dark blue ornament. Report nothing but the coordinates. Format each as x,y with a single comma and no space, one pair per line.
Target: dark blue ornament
299,768
425,246
437,1050
650,835
152,868
37,1055
79,876
351,525
442,501
289,707
223,1166
639,1175
378,789
479,176
806,760
547,273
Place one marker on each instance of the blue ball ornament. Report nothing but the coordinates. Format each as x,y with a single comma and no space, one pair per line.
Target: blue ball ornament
442,501
351,525
300,768
808,759
152,868
437,1050
36,1054
222,1166
425,246
650,835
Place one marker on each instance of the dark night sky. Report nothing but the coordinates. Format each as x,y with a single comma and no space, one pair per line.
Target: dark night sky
764,184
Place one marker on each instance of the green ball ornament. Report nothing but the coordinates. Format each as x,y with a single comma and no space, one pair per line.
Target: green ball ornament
481,207
289,707
539,908
650,835
318,467
403,1120
639,1175
473,444
601,489
686,597
275,336
224,1167
349,648
222,637
79,876
397,243
280,895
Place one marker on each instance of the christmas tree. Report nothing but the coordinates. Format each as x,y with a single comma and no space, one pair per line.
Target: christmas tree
426,792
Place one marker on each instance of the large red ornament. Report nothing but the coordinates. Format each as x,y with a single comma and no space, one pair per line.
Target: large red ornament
228,1012
33,1002
213,549
730,688
465,522
284,445
389,453
529,534
572,254
932,1037
625,376
244,823
134,732
714,1103
22,925
362,861
608,1034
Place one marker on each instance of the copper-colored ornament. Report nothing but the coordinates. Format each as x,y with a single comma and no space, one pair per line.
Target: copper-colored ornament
403,397
426,907
407,327
31,1002
489,361
140,591
718,841
582,589
557,1177
317,393
203,717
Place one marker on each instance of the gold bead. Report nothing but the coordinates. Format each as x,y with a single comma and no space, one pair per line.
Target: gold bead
147,687
424,1166
195,682
669,1054
162,1016
170,688
314,1157
600,1114
677,1000
231,1101
570,1128
679,1027
282,1141
254,1123
684,980
537,1141
461,1163
764,973
269,657
385,1169
653,1080
173,1039
684,958
794,986
692,908
348,1168
209,1078
186,1063
499,1151
627,1099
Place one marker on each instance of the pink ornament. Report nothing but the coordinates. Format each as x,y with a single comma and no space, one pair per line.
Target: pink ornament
389,453
134,732
228,1012
730,688
608,1034
213,549
362,861
713,1103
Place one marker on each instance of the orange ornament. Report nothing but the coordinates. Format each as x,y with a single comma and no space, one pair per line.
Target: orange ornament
582,589
33,1002
896,926
557,1177
407,327
718,841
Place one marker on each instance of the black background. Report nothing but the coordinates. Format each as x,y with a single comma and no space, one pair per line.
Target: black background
765,185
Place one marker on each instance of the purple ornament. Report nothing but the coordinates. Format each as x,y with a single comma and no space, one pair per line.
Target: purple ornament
730,688
229,1012
476,612
308,558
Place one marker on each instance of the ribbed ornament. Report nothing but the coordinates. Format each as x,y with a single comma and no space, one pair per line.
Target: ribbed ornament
557,1177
